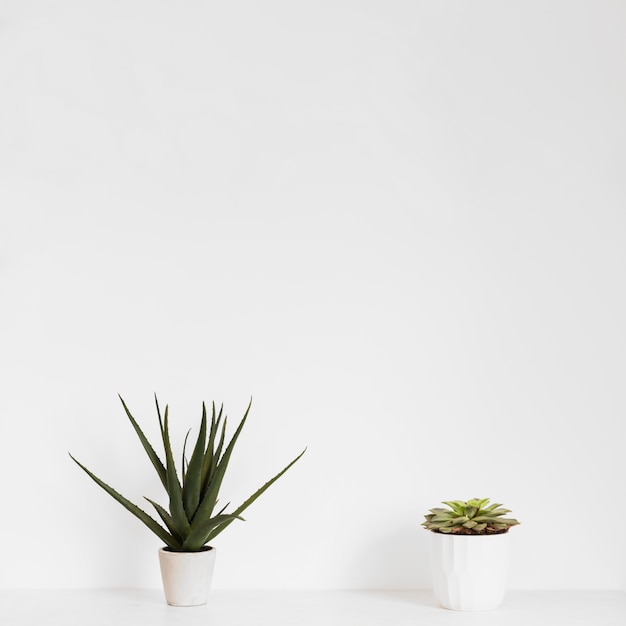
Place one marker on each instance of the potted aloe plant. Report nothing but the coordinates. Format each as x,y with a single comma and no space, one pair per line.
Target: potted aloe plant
469,553
191,522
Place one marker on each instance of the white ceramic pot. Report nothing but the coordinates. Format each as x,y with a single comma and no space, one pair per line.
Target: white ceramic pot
186,576
469,571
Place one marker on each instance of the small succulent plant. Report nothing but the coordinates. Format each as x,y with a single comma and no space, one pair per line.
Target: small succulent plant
191,521
474,517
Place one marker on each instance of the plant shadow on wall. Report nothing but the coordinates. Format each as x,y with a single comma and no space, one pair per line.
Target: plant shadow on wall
191,521
395,560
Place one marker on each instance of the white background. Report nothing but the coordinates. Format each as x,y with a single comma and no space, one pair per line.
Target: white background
399,226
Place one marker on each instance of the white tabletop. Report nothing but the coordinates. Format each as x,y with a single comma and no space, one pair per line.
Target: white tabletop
126,607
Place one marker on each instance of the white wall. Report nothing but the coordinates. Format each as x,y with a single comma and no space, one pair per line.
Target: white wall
398,225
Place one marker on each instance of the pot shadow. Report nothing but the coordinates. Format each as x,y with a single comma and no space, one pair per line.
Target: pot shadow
414,597
153,597
396,564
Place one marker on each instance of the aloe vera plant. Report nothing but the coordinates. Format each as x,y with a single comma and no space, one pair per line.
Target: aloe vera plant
474,517
191,521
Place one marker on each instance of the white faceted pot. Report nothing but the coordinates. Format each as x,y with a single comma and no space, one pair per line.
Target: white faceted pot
469,571
186,576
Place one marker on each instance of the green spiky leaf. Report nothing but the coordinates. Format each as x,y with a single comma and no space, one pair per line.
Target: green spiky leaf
200,532
207,504
152,455
190,521
238,511
174,488
167,520
152,524
193,480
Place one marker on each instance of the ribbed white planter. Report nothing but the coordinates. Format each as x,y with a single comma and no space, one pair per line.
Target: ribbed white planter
469,571
186,576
